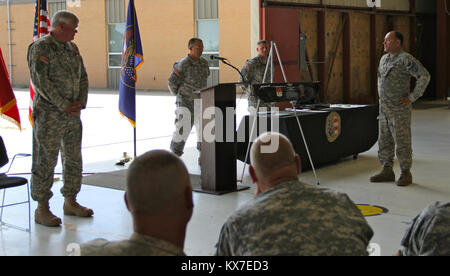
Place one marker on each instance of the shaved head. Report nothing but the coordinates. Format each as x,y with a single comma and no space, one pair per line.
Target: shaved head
265,162
155,181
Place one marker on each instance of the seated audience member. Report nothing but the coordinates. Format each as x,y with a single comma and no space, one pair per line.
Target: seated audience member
288,217
429,234
159,198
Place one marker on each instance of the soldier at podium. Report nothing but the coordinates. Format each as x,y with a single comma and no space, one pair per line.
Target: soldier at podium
189,74
253,73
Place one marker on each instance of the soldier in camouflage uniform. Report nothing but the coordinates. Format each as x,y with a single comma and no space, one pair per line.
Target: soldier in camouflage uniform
394,74
288,217
189,74
61,88
429,234
253,72
159,198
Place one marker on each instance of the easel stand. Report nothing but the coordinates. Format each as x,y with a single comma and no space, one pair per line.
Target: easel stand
273,47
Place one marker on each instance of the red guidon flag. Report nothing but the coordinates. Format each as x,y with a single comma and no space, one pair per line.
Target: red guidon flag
41,28
8,104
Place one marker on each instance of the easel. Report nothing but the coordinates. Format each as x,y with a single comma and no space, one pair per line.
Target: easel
273,46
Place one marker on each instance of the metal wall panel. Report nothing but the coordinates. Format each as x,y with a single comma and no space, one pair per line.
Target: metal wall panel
206,9
55,6
425,6
213,78
115,14
113,78
115,11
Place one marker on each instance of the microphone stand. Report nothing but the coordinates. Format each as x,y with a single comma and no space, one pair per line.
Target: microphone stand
224,61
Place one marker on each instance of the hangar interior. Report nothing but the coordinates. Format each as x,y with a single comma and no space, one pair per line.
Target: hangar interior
343,49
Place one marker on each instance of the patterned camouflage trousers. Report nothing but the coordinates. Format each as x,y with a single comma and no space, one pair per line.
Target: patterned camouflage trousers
395,130
54,131
185,119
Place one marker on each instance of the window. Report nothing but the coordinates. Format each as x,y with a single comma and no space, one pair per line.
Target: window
206,17
208,31
115,44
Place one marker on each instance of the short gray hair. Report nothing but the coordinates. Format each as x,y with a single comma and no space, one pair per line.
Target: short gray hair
193,40
65,17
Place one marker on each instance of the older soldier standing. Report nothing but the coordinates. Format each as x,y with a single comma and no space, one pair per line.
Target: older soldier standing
253,73
394,74
288,217
189,74
61,86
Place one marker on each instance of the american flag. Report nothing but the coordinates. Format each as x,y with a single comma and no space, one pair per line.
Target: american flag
41,28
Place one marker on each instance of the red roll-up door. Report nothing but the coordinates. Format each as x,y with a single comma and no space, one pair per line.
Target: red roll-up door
282,26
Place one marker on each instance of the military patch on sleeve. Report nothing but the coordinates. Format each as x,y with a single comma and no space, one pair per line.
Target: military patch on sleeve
176,72
413,67
44,60
333,126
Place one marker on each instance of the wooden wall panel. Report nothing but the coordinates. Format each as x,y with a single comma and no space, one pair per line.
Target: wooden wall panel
448,55
360,53
308,26
353,76
401,24
382,29
334,23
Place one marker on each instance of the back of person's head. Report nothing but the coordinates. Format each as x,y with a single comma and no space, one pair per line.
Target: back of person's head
271,152
158,181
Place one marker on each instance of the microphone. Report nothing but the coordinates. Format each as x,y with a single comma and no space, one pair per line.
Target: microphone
218,58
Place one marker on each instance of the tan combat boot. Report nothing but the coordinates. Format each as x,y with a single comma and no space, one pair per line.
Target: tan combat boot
43,216
72,208
386,175
405,179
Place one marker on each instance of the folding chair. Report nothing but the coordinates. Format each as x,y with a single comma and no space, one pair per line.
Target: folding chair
7,182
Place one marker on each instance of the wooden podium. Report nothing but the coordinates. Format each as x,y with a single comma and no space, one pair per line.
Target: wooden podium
219,148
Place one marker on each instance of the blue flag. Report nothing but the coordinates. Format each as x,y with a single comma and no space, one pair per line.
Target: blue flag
132,59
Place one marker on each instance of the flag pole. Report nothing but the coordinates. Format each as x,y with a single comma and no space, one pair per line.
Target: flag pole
132,59
135,154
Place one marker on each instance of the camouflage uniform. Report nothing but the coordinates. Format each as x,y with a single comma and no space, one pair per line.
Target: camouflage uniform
137,245
59,78
429,235
253,73
394,77
294,218
193,76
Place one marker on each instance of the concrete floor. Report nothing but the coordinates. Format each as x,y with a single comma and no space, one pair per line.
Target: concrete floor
107,135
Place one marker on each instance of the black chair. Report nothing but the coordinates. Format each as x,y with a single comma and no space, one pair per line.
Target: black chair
7,182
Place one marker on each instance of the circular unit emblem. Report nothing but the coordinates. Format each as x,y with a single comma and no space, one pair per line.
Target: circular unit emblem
333,126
